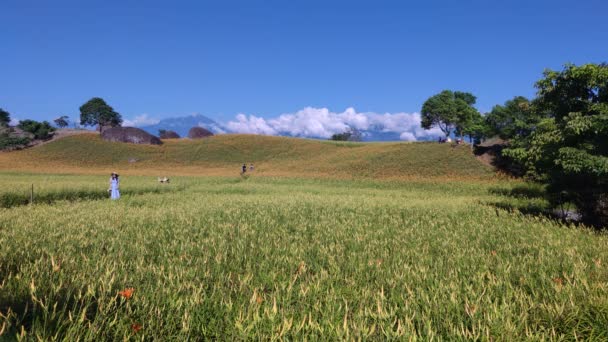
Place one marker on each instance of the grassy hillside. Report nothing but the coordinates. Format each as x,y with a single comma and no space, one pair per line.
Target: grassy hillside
272,156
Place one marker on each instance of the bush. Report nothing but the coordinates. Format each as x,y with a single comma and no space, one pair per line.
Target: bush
7,141
40,130
351,135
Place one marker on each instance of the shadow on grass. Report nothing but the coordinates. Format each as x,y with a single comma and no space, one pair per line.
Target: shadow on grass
13,199
532,199
492,154
524,191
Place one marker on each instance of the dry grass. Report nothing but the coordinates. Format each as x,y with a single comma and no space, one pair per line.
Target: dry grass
223,155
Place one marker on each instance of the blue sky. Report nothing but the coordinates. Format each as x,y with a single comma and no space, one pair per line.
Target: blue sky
267,58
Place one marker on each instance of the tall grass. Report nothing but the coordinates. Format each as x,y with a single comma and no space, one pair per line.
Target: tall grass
35,188
267,258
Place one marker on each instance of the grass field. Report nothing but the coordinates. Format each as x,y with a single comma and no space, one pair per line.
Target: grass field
222,155
291,258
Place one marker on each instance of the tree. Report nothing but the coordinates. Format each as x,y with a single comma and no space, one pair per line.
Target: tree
97,112
568,149
40,130
450,111
5,117
350,135
61,121
477,129
516,118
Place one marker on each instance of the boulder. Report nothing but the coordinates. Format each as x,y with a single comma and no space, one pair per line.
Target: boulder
168,134
199,133
129,135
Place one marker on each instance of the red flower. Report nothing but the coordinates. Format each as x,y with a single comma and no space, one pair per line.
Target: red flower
127,293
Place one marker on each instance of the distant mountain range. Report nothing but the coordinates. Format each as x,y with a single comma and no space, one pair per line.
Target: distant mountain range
181,125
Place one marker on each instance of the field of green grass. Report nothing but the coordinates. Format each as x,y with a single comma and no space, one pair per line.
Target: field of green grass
292,258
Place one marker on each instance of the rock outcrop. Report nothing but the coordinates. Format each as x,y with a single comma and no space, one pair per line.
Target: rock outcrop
168,135
130,135
199,133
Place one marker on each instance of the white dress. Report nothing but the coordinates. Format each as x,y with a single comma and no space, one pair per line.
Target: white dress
114,183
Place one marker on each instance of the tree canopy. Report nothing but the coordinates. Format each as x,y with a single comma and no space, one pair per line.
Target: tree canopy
349,135
516,117
5,117
61,121
40,130
450,111
568,148
96,112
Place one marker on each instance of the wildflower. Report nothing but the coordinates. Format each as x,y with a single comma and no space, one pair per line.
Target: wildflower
136,327
127,293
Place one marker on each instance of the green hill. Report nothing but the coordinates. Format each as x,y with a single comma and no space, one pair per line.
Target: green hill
273,156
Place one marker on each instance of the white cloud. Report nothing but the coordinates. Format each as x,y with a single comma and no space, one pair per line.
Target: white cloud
322,123
251,124
407,136
213,127
140,120
13,122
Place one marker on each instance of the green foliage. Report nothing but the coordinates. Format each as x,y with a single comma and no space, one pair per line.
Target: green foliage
40,130
450,111
516,118
96,112
61,121
5,118
569,150
476,128
271,259
350,135
8,141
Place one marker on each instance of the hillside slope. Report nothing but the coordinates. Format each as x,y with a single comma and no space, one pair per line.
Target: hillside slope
272,156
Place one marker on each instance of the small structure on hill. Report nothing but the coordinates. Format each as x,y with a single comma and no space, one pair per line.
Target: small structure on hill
129,135
165,134
199,133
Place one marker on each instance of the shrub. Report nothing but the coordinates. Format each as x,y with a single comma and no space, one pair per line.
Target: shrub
40,130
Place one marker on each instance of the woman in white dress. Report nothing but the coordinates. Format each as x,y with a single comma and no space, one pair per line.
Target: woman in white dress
114,186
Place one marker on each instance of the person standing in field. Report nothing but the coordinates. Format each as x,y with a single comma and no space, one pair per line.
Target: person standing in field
244,168
251,167
114,186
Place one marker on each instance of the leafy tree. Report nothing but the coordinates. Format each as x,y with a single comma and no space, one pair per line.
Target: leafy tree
5,117
569,148
477,129
97,112
350,135
450,111
40,130
516,118
61,121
